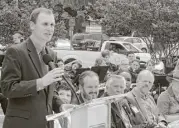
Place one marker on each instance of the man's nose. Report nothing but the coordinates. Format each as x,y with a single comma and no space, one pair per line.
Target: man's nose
94,89
50,28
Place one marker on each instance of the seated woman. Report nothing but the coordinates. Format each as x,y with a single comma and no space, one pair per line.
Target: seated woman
127,77
168,101
70,69
100,62
150,65
134,69
63,96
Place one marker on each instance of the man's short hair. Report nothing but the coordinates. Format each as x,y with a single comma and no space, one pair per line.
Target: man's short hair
35,13
59,60
112,77
136,60
19,32
86,74
141,74
125,73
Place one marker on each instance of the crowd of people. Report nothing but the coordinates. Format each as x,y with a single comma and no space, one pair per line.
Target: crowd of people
34,89
128,78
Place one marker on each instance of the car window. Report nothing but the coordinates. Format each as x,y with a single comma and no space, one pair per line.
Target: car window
130,47
116,47
129,40
136,40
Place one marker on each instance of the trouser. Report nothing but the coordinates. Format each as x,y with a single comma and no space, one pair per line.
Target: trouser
4,102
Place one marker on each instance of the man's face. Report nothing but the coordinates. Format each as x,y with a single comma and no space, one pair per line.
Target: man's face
131,57
43,29
65,96
116,87
135,65
17,38
90,87
145,83
124,65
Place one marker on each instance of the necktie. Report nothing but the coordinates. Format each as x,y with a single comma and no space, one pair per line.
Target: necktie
44,67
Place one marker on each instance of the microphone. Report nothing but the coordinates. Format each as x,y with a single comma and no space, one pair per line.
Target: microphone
49,61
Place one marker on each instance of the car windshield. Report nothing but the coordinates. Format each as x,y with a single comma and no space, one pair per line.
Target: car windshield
131,47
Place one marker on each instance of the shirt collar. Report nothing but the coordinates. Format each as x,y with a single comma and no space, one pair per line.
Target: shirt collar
37,47
139,94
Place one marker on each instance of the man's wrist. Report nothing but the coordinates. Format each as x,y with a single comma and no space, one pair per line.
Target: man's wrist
40,85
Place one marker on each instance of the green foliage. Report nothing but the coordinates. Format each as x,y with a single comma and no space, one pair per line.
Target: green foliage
154,18
14,16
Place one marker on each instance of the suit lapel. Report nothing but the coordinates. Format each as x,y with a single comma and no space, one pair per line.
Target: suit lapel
50,89
34,57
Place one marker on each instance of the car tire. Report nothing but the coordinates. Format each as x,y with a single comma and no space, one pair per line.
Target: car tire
144,50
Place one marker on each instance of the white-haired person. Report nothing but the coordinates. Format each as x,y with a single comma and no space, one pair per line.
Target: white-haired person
168,101
115,85
140,97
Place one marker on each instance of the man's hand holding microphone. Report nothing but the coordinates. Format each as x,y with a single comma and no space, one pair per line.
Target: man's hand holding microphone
54,75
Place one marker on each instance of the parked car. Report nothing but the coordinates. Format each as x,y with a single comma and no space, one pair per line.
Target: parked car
136,41
89,56
78,37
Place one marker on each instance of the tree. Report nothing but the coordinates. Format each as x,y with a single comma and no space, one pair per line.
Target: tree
14,16
158,19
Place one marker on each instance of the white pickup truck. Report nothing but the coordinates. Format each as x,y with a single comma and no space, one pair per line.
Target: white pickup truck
89,55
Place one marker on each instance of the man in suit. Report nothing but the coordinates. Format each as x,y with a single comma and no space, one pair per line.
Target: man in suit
140,97
26,81
115,85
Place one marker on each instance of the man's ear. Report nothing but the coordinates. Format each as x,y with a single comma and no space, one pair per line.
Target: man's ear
32,25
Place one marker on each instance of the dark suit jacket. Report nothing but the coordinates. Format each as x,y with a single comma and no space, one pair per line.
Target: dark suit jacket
116,117
27,107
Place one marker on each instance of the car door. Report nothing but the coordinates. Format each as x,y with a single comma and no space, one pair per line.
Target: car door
136,42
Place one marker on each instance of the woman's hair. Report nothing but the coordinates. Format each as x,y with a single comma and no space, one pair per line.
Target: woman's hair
62,86
99,61
105,53
150,61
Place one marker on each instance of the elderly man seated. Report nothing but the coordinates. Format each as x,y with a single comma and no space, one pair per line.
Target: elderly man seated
140,97
168,101
116,85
